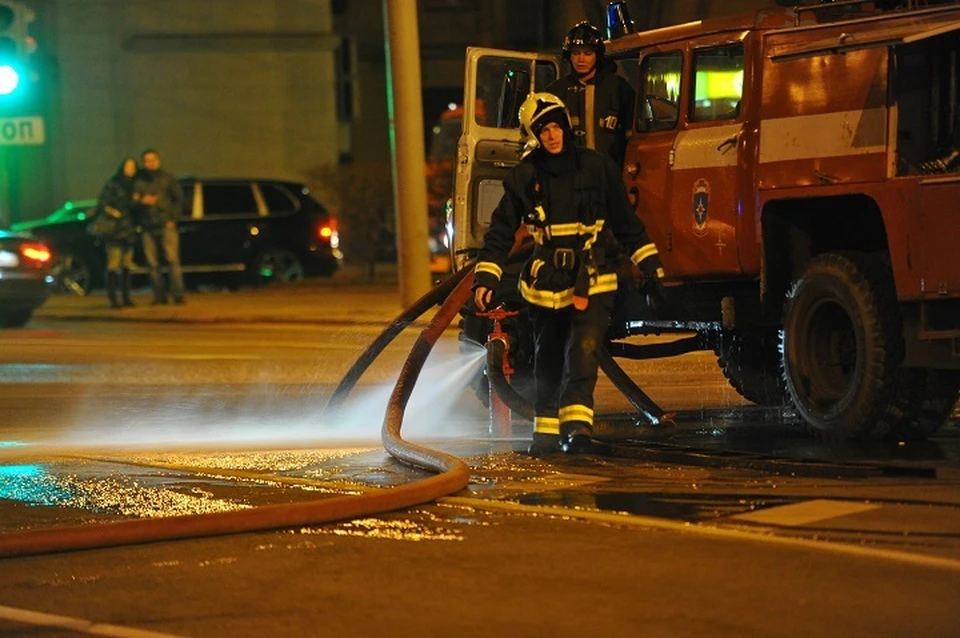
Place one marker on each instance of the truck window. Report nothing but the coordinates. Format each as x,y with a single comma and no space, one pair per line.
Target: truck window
505,84
718,80
660,77
925,81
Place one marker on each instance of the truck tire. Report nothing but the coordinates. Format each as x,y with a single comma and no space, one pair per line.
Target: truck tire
842,345
751,362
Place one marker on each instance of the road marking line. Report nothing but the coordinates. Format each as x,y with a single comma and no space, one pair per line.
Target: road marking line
28,617
202,357
650,522
797,514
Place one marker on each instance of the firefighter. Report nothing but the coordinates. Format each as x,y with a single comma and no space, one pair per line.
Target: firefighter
600,102
574,205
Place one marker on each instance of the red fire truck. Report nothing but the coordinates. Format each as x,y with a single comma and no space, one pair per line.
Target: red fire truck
799,170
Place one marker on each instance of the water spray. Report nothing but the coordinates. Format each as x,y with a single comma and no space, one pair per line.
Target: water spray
453,474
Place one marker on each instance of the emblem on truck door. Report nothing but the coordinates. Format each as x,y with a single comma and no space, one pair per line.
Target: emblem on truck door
701,205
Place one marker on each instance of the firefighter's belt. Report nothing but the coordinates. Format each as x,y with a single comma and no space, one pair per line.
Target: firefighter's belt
564,258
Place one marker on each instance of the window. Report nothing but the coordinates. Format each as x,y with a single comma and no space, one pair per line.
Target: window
502,86
660,76
718,74
221,200
277,199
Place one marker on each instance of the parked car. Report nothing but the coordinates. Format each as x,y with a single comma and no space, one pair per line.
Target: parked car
232,231
25,279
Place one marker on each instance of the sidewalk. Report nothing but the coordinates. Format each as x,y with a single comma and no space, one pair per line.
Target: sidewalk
345,298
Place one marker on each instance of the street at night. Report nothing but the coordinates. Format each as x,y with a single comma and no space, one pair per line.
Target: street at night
553,318
221,408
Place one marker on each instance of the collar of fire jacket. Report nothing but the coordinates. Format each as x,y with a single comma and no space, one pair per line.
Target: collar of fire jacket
560,164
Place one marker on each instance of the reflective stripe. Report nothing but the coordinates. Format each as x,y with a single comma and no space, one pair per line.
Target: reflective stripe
837,134
546,425
563,298
490,268
645,251
603,283
535,267
576,413
659,273
536,232
575,228
589,124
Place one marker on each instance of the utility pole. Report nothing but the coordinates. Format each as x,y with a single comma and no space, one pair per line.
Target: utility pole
405,120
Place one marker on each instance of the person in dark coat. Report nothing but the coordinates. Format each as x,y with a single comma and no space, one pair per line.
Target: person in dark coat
161,200
600,102
573,203
115,212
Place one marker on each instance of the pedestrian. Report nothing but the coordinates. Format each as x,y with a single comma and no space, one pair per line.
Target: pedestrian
161,204
574,205
600,102
115,225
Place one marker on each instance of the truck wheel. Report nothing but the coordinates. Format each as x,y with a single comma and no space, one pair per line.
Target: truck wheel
751,362
842,345
924,400
474,332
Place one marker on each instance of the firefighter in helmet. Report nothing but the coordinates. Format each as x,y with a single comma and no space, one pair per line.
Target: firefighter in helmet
601,103
574,205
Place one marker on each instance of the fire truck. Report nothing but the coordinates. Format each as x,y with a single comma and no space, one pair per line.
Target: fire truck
799,170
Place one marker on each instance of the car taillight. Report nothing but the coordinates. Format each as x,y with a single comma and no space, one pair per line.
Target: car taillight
36,253
327,231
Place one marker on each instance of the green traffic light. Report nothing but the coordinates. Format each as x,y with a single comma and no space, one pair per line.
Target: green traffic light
9,79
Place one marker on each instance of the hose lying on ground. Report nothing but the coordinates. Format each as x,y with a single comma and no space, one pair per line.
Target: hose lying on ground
648,410
453,477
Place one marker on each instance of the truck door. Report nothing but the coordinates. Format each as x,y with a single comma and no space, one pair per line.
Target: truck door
682,165
496,83
647,163
705,187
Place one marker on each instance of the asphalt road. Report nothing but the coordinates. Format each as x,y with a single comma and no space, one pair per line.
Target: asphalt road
107,420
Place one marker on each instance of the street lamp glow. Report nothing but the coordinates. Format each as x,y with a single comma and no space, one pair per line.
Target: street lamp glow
9,79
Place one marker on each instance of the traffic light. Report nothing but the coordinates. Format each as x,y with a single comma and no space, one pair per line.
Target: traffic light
16,45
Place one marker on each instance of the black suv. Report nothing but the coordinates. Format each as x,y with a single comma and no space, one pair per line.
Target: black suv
232,231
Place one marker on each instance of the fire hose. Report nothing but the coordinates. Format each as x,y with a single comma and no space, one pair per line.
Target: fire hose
453,474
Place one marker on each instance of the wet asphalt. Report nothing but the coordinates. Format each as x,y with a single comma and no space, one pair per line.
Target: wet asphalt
730,522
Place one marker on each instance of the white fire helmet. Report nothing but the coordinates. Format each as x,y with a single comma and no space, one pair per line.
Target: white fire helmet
537,111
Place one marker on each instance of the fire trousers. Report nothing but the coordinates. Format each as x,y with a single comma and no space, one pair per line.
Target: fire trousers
566,343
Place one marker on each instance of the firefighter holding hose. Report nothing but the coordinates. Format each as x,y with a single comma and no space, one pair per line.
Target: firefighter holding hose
574,205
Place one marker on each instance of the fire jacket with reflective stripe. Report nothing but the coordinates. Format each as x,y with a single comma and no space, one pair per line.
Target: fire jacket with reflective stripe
601,111
586,213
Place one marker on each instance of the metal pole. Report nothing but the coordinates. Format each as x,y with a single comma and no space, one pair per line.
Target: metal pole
405,113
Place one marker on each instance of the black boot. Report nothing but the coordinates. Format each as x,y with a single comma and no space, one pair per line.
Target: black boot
576,437
544,444
125,277
113,280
